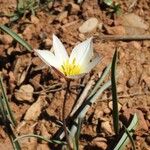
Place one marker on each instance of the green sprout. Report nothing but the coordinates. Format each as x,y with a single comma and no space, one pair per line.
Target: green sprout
112,7
24,7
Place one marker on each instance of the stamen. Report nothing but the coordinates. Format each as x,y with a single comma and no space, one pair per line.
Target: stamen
70,68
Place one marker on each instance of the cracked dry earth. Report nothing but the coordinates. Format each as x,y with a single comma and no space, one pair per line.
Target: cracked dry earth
36,92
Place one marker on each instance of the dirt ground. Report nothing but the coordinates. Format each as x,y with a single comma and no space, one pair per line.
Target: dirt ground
30,85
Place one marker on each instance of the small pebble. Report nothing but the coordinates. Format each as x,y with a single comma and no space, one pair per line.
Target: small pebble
107,111
82,36
106,127
35,109
43,147
100,26
133,20
100,142
148,116
110,105
135,90
131,82
6,39
98,113
48,42
34,19
74,8
116,30
62,16
89,25
25,93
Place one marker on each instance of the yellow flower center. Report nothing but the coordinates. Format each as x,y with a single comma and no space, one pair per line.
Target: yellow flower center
70,68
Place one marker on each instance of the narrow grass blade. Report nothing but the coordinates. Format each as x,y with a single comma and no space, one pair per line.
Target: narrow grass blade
100,80
6,104
124,139
77,135
130,137
20,5
85,106
14,17
16,145
2,110
16,37
41,138
7,116
115,112
12,136
108,2
9,130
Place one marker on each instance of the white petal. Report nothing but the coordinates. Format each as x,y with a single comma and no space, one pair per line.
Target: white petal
92,64
82,51
59,49
48,57
87,55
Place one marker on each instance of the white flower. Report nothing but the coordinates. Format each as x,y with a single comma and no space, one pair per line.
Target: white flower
79,63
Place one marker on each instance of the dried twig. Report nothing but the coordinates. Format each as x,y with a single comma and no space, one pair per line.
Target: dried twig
133,4
69,24
123,37
124,96
83,95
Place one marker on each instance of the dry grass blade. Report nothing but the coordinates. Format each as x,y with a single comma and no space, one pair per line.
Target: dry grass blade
123,37
83,108
87,104
83,96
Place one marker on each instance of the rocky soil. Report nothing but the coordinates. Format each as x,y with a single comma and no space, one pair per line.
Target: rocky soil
36,92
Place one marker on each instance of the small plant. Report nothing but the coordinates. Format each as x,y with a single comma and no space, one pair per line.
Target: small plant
127,135
76,66
112,7
68,69
24,7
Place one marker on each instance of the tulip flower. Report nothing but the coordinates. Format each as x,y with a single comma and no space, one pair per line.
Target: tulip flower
80,62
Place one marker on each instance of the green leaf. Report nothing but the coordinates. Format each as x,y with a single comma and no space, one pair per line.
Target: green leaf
12,136
115,112
7,116
87,104
2,110
16,37
93,96
14,17
5,104
116,9
124,139
39,137
77,135
100,81
20,5
130,137
108,2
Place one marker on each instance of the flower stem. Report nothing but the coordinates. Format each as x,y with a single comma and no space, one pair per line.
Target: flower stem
64,115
